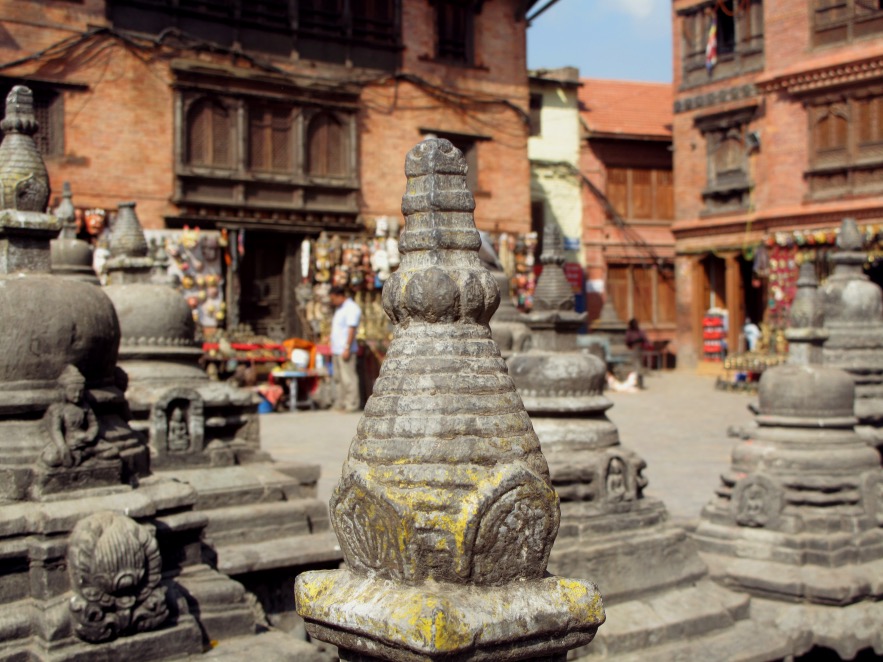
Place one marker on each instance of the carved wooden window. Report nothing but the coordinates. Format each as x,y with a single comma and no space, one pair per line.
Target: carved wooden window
374,20
835,21
641,193
846,145
321,15
270,138
454,25
739,39
209,134
728,186
326,141
644,291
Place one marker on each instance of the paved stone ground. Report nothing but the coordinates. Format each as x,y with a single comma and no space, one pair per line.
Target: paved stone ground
678,424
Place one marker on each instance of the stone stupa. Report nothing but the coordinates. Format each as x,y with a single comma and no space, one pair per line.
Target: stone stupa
853,313
265,523
661,604
101,559
445,510
797,520
71,257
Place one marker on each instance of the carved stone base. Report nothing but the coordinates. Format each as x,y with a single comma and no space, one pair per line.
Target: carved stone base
524,620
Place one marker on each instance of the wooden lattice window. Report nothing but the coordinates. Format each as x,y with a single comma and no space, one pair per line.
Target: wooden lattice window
837,21
321,15
453,21
270,138
209,134
618,190
641,193
374,20
831,134
326,140
869,114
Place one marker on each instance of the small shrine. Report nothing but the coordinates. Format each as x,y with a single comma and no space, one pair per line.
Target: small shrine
265,523
660,602
796,522
71,257
445,511
102,560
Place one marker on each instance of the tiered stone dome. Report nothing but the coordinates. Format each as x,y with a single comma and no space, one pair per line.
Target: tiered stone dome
155,321
848,297
47,323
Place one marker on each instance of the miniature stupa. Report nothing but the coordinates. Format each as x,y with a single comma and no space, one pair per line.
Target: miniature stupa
265,522
445,510
71,257
853,312
797,519
101,559
507,328
660,602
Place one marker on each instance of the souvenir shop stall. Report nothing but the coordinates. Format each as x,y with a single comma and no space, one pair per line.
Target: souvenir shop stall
775,264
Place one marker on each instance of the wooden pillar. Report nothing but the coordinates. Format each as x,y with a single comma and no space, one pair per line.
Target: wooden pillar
735,300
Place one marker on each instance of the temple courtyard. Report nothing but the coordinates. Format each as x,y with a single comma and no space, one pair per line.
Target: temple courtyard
678,424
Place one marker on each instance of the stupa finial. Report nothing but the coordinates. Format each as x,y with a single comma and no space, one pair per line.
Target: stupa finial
553,292
849,238
127,238
805,334
66,213
24,182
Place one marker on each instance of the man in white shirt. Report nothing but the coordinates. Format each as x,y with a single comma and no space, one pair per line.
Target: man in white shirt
344,325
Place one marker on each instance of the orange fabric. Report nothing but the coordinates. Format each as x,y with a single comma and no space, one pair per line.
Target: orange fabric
301,343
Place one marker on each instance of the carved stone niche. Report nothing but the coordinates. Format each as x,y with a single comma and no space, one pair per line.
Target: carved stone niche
177,426
757,502
623,479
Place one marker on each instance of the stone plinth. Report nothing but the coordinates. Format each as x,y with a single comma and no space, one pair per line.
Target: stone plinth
265,523
796,520
853,312
660,601
445,511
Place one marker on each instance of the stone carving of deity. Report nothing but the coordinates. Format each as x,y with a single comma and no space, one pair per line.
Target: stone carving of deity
617,484
73,426
179,436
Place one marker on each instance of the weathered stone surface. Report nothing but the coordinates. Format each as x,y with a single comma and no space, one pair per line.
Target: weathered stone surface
797,517
445,511
648,571
852,307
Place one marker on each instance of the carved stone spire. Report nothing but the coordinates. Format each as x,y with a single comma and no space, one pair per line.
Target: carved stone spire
129,260
25,230
445,511
66,214
805,335
71,257
553,291
24,182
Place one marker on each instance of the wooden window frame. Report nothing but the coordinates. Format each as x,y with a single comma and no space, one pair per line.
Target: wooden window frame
843,21
855,166
727,189
630,309
460,50
630,213
536,114
746,53
312,167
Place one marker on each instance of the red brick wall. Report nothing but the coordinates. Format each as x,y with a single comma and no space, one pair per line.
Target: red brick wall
119,138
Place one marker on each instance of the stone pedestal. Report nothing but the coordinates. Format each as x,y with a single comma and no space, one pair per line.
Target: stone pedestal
797,520
445,511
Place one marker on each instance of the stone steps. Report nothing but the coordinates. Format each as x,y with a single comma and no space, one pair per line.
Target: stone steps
252,523
281,553
221,487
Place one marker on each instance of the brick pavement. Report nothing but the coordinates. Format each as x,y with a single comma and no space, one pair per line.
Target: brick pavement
678,424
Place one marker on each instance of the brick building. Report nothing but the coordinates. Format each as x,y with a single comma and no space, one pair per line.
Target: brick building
628,207
277,118
775,140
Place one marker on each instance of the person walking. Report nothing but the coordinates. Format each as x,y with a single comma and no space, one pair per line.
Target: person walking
344,325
